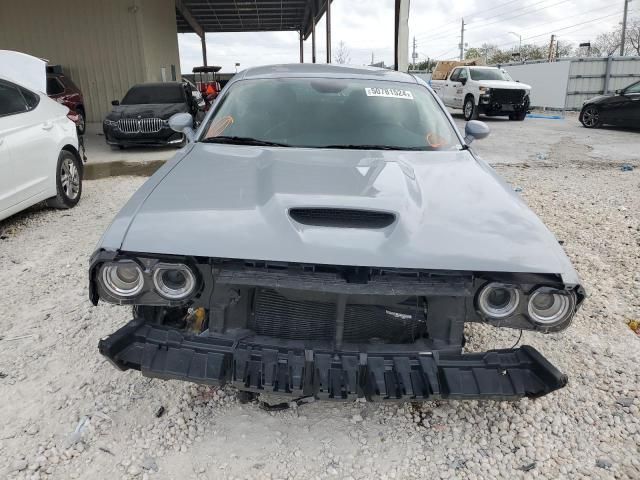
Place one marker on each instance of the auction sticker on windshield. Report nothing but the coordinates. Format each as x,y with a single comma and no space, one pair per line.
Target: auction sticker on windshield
388,92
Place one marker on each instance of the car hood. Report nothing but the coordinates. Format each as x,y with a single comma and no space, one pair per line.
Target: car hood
599,98
504,84
151,110
230,201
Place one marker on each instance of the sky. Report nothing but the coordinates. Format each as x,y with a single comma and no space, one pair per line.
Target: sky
367,30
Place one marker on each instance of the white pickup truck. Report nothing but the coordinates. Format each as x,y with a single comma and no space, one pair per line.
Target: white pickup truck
487,90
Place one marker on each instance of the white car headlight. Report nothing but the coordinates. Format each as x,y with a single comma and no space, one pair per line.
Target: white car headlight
548,307
497,300
122,279
174,281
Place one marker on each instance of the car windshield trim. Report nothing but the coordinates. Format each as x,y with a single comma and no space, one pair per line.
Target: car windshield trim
234,140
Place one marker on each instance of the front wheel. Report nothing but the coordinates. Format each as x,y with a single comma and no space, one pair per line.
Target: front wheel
68,181
470,109
590,117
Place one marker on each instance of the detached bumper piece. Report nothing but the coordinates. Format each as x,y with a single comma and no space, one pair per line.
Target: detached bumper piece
287,369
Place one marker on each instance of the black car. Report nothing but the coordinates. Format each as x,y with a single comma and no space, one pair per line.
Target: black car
622,109
142,118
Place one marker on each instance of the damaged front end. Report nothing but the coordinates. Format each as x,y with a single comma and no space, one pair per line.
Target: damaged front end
331,332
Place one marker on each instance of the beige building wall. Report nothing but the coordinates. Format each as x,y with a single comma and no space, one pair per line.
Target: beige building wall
105,46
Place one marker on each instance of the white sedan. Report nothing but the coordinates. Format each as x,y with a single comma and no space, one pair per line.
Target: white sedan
39,158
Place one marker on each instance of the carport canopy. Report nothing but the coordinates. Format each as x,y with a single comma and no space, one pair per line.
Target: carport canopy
201,16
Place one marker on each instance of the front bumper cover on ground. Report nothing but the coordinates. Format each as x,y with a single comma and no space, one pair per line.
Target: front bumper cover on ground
346,375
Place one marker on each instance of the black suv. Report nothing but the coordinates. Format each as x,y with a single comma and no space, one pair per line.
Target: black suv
142,118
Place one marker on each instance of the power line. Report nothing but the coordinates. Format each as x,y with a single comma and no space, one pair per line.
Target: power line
499,16
440,29
546,24
473,25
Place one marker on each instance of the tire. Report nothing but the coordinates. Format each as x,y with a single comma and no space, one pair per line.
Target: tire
590,117
82,122
68,181
470,109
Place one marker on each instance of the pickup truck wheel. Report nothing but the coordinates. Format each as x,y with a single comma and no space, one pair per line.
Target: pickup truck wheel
470,110
68,181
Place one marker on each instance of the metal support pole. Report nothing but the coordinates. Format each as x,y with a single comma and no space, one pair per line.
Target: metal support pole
401,41
607,74
328,31
313,31
624,28
301,47
204,49
462,41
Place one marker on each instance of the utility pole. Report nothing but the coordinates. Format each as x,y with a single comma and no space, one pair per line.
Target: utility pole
624,27
551,56
462,41
414,55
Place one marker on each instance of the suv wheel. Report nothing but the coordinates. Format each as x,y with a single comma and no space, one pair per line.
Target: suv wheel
68,181
470,110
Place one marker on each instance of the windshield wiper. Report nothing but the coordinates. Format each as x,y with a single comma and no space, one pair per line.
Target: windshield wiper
374,147
243,141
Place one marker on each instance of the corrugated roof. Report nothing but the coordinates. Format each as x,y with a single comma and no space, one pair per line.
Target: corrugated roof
251,15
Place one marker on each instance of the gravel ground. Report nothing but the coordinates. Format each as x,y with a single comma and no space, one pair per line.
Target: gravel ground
67,413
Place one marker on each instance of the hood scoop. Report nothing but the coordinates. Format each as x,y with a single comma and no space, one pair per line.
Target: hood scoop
342,217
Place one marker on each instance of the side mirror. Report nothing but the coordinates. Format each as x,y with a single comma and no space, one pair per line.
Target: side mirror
475,130
115,103
463,81
183,123
619,92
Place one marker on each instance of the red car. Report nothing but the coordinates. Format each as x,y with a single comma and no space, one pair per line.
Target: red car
64,91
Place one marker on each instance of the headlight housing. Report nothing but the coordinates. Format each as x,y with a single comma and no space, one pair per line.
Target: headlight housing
122,279
173,281
548,307
498,300
484,90
146,281
109,123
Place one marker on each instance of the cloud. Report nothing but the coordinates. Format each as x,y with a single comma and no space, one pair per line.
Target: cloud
366,27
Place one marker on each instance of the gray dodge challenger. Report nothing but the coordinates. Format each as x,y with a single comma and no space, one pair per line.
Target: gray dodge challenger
327,232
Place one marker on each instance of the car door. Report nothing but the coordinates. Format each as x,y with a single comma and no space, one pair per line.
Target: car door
12,105
450,87
630,108
30,142
458,93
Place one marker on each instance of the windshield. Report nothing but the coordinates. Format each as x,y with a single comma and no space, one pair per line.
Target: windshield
489,74
145,94
331,113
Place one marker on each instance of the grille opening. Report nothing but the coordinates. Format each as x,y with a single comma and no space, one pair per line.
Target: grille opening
342,217
276,315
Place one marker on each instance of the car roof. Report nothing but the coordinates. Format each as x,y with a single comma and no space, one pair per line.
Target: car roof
157,84
311,70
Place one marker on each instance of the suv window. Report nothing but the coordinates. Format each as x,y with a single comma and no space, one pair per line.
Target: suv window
155,93
462,75
454,75
11,100
54,87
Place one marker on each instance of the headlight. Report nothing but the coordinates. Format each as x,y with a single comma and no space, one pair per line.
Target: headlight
122,279
497,300
548,307
110,123
173,281
484,90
